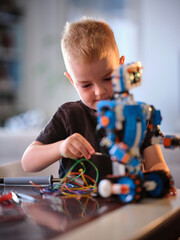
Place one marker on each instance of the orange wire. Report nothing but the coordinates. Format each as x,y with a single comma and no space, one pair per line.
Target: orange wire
37,186
83,187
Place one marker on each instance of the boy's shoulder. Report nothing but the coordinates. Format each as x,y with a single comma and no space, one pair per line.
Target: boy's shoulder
76,108
72,107
69,106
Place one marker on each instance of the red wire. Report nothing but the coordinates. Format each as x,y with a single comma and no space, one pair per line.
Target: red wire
77,173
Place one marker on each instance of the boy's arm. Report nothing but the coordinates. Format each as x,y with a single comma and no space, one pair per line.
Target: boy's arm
153,159
39,156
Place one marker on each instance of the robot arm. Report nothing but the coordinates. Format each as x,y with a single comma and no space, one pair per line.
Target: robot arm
171,141
168,141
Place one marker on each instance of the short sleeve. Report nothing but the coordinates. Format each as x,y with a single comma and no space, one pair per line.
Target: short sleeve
55,130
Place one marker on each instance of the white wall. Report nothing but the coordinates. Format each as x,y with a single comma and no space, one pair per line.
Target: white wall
160,55
44,84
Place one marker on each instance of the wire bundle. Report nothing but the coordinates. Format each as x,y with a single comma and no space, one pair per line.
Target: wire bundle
69,184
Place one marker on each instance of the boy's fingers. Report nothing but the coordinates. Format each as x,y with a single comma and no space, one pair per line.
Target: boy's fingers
85,147
84,150
77,146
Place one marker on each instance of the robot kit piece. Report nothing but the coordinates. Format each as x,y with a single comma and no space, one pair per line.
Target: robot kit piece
125,123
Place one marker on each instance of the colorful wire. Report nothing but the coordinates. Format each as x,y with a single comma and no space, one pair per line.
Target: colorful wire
70,187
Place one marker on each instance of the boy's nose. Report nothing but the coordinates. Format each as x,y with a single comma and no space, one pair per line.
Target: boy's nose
99,91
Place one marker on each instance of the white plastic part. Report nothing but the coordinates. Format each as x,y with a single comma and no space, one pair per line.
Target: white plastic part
118,168
156,140
117,188
127,83
104,188
135,149
150,185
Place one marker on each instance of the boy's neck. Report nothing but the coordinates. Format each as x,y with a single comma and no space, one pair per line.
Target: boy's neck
90,109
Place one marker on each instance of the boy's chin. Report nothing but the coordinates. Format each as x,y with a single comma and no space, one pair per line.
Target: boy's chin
92,106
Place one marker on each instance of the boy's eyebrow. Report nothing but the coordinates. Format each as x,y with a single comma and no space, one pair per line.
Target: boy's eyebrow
87,81
108,73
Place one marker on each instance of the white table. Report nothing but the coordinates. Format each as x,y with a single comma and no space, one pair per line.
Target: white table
133,221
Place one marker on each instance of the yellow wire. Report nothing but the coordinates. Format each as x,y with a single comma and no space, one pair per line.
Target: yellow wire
75,195
82,175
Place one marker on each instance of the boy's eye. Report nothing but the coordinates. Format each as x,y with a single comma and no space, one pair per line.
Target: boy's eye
86,86
108,79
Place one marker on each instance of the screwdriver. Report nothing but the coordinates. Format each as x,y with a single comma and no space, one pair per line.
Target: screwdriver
19,181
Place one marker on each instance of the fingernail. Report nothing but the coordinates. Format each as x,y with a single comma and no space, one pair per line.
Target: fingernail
91,151
87,156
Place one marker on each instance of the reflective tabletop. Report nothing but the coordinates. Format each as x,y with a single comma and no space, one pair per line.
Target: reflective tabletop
48,216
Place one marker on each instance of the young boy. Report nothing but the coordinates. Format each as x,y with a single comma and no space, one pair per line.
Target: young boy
90,54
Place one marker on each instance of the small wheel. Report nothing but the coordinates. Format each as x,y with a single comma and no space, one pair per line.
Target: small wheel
135,188
104,188
163,183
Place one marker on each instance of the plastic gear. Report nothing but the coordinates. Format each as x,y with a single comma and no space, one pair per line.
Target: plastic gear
163,180
135,185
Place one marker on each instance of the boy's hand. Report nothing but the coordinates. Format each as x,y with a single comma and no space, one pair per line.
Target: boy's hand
76,146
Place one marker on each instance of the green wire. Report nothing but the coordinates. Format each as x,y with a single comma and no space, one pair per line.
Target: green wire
84,169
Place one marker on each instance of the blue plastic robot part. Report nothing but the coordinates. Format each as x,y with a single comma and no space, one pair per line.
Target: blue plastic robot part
127,77
123,114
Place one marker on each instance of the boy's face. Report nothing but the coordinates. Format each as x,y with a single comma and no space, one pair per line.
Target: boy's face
93,80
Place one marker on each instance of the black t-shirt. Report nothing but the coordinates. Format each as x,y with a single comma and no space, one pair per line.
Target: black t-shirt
76,117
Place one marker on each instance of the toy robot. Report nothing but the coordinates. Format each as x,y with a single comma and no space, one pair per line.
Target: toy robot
125,123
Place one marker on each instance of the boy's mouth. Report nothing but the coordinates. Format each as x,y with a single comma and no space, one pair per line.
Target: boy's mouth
106,98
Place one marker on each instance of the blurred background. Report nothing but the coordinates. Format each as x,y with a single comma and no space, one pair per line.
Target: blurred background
31,64
32,83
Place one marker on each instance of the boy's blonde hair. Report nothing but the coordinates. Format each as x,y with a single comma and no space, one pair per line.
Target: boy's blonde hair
87,40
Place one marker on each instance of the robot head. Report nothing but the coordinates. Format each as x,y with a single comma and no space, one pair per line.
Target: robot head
126,77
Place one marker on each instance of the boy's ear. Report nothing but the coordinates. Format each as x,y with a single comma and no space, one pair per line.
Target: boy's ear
121,60
69,77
